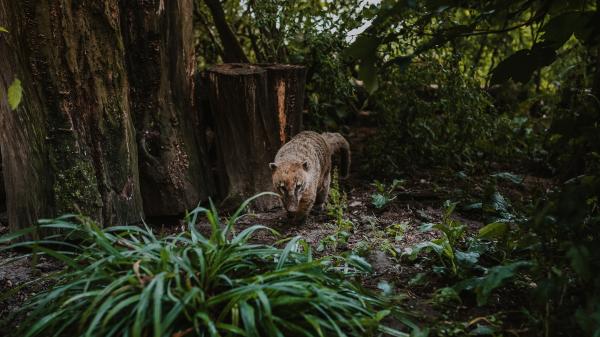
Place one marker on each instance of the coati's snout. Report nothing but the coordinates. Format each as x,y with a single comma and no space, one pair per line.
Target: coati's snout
289,181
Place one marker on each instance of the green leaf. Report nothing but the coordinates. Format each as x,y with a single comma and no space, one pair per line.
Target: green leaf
467,258
4,239
493,230
499,204
494,278
3,30
509,177
15,93
360,263
379,200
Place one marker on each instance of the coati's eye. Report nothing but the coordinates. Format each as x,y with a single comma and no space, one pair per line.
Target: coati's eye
281,188
299,186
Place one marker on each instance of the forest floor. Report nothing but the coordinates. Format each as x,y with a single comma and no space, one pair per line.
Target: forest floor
381,236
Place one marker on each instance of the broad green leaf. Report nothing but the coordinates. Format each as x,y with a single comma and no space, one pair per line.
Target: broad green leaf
379,200
493,278
493,230
15,93
466,258
3,30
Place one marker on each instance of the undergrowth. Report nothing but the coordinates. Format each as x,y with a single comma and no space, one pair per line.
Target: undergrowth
126,281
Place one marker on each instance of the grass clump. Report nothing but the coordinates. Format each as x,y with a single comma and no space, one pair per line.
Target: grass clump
125,281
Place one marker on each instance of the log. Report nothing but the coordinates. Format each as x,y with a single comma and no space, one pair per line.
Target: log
256,109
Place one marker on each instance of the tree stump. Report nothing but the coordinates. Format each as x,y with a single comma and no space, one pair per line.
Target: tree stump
256,109
285,87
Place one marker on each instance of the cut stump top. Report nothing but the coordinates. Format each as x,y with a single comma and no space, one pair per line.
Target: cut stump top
251,68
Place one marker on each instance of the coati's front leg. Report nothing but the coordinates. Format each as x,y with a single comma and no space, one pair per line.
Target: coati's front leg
305,204
322,193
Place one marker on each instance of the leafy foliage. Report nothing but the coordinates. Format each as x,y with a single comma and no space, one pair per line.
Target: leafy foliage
446,247
127,281
493,278
432,113
566,227
336,207
384,194
447,23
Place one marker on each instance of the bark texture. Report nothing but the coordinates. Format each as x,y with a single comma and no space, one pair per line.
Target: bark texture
70,146
2,191
160,57
256,109
285,85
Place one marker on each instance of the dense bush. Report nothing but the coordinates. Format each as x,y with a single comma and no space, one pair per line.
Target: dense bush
431,113
566,233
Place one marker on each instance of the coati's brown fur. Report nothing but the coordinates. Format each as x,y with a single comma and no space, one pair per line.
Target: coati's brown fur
302,170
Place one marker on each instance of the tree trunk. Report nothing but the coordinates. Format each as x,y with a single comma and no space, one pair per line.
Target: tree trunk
161,65
70,146
256,109
2,191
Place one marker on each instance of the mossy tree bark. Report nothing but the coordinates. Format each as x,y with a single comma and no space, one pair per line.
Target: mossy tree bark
70,146
108,110
160,56
256,109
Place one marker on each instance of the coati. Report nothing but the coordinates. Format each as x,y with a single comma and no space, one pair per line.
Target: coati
302,170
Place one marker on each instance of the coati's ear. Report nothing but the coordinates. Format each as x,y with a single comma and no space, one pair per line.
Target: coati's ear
272,166
305,165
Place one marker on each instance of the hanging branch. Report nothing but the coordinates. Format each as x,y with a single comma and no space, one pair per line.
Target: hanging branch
233,52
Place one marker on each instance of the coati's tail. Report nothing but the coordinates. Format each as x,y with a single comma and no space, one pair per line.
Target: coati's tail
339,147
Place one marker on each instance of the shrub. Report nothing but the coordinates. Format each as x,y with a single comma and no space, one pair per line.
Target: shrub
431,113
126,281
